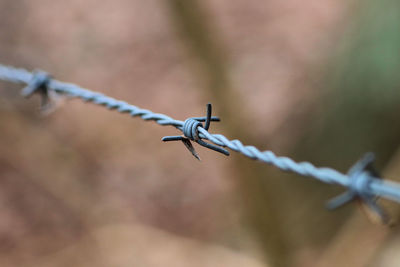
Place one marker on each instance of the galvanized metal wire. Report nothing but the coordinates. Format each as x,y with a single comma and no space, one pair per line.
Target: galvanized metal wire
361,182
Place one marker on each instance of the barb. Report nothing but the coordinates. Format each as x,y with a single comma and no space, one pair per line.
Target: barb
361,175
38,84
191,132
361,182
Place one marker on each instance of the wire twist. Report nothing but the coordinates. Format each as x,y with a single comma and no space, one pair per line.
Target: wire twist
362,183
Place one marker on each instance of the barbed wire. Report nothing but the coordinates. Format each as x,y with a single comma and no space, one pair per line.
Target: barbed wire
362,181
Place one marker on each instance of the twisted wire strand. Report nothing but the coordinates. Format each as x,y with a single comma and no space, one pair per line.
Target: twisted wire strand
375,186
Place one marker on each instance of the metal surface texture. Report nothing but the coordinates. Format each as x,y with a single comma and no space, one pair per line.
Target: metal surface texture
361,182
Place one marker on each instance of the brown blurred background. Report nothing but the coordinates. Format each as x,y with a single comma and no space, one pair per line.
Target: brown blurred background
83,186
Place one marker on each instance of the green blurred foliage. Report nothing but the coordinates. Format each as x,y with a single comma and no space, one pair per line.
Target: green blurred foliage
359,110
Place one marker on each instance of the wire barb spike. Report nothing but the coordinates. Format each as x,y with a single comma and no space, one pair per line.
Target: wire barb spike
39,84
190,132
361,175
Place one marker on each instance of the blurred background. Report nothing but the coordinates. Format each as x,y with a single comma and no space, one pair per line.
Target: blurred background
315,80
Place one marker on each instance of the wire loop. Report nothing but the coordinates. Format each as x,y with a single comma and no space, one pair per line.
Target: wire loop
189,129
